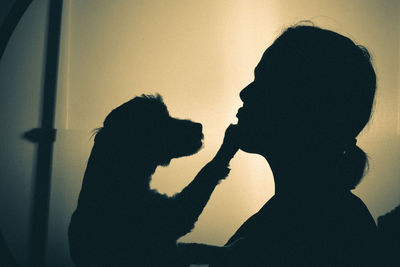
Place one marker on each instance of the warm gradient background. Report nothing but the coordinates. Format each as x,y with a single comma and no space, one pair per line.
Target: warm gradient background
198,55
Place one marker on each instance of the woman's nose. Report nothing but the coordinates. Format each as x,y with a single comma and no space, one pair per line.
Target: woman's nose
244,94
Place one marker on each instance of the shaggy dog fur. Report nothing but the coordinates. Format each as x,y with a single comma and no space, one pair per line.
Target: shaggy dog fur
119,220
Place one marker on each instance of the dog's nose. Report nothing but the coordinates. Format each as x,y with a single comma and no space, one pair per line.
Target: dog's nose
199,126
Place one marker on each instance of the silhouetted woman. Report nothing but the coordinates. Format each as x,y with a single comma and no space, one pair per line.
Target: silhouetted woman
312,94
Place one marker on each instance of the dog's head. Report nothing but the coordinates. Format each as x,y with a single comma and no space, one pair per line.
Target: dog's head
143,126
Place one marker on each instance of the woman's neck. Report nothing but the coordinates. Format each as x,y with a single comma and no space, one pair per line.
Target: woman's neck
302,174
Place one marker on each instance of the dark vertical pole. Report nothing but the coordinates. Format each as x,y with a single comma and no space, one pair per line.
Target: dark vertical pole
41,197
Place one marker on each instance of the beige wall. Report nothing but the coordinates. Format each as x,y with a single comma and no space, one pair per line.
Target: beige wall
198,55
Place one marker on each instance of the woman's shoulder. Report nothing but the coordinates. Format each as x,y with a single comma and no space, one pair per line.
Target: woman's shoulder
337,228
340,215
340,212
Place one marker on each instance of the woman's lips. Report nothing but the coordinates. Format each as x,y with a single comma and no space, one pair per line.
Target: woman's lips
239,113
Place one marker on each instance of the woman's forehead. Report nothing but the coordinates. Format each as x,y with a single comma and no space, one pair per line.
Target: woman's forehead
267,62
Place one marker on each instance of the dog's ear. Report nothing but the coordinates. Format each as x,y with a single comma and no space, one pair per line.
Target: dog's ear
136,124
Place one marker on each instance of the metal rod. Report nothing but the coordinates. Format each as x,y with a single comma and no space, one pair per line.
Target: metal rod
42,182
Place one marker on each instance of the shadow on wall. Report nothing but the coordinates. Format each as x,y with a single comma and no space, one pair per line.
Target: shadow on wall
21,69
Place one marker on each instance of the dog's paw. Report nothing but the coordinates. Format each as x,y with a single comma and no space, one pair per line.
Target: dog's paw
230,144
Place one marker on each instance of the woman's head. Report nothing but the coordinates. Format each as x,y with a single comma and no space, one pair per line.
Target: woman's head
313,88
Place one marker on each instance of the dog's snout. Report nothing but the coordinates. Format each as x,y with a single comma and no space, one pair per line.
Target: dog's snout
187,128
198,126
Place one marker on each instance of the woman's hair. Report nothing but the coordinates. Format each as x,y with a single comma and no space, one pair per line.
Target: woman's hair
333,82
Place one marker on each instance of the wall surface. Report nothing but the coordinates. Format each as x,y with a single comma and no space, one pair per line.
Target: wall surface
21,69
198,55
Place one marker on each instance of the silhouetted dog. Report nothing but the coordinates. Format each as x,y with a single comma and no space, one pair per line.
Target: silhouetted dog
119,220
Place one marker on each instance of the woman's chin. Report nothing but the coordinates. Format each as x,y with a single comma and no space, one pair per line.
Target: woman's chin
250,145
249,148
